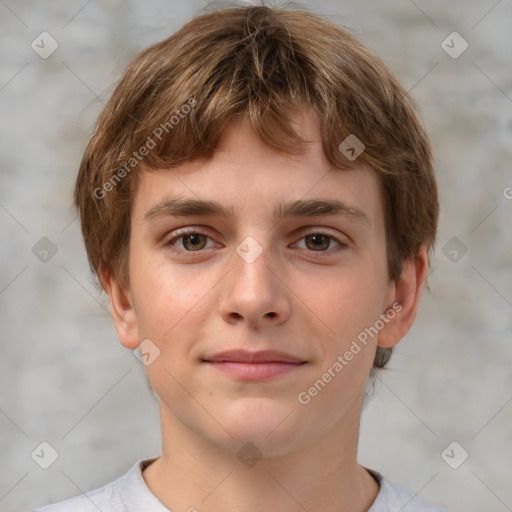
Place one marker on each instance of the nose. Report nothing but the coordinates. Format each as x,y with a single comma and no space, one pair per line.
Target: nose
254,292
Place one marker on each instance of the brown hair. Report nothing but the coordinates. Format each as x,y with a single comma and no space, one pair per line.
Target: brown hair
176,97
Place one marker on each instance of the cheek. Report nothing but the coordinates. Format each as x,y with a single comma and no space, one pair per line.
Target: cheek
169,302
350,307
349,303
155,300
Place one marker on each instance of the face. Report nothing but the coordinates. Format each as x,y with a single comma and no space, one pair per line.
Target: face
306,282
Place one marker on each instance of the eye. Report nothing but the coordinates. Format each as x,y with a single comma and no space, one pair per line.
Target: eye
191,240
320,242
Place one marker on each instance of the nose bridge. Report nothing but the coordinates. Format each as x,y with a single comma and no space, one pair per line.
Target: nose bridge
253,291
252,272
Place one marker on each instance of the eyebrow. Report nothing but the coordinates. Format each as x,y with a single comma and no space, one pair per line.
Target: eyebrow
298,208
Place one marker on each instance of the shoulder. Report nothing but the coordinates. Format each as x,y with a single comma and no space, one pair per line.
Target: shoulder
393,498
105,498
117,496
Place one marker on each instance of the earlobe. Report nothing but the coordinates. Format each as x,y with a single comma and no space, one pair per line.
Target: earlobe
407,292
122,310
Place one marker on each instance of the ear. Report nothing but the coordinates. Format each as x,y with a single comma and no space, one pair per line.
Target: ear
406,291
122,311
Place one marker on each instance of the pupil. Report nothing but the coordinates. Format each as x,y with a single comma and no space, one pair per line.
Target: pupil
194,240
318,240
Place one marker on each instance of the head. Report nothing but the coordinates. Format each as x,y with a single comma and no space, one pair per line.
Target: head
250,107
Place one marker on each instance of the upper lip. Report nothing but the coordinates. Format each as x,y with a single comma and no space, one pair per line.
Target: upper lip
245,356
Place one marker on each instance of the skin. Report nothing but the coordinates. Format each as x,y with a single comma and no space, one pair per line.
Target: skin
296,297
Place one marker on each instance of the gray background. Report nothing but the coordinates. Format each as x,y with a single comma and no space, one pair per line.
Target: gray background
66,380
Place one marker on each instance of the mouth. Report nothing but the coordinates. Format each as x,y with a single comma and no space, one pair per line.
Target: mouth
255,366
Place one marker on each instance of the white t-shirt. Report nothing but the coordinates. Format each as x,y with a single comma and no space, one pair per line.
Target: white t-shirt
130,493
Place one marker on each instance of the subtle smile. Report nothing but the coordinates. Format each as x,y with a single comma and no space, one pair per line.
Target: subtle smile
248,365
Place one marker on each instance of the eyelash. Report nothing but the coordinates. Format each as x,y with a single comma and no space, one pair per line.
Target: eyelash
185,232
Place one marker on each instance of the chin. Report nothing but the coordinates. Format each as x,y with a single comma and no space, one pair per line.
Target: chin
265,423
256,444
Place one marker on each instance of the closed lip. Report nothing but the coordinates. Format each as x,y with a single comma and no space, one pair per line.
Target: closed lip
246,356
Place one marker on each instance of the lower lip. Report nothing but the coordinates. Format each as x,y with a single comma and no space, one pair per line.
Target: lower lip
255,371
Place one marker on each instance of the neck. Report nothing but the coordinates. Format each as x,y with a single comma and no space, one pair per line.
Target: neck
195,474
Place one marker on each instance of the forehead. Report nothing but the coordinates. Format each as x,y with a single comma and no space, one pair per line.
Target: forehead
247,177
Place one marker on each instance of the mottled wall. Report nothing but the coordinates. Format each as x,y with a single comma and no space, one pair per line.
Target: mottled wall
66,380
